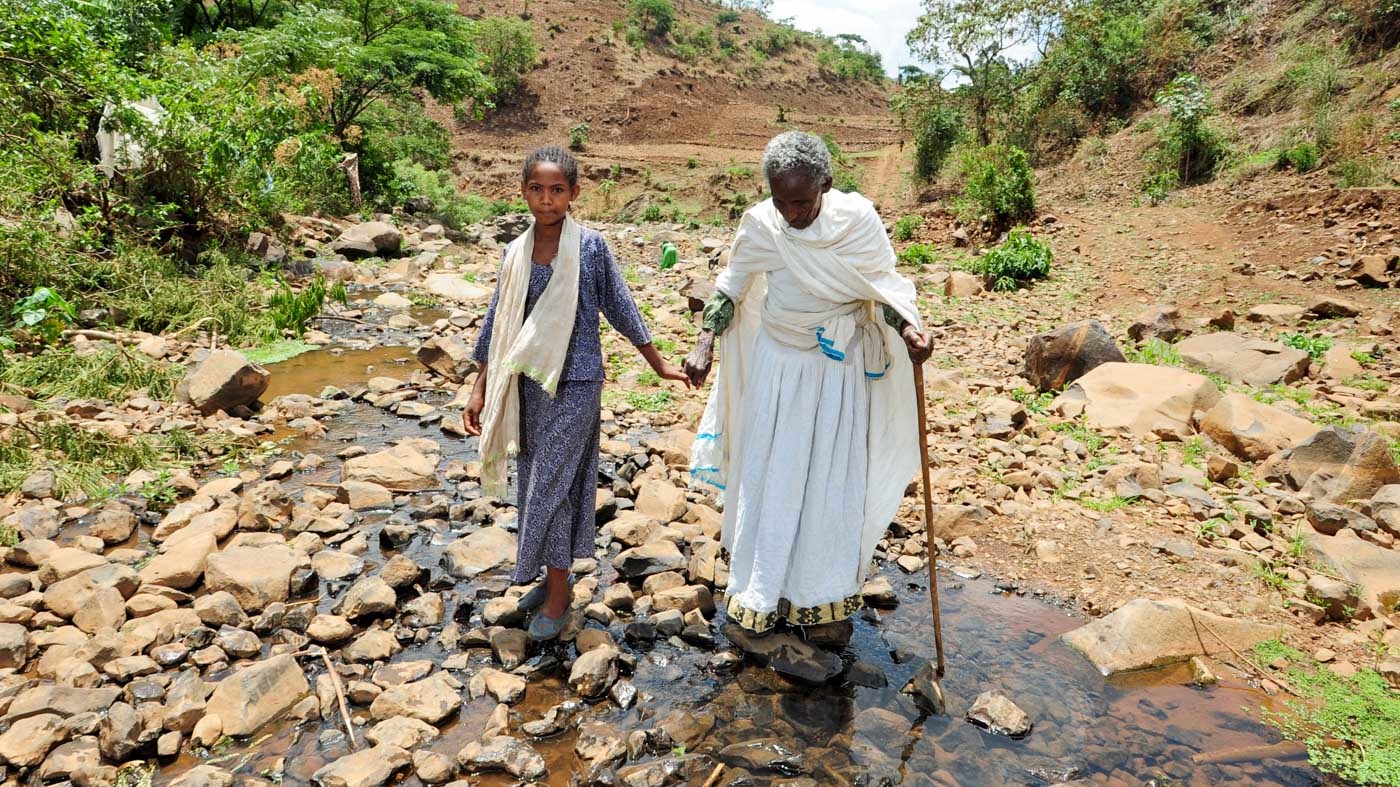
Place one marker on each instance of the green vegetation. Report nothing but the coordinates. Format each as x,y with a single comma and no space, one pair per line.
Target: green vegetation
290,310
1348,724
450,206
1302,157
84,461
278,351
1000,186
507,44
1314,346
653,17
918,254
1187,149
1035,403
1154,351
845,174
111,375
578,136
654,402
847,58
905,227
41,317
1105,506
1194,451
1019,260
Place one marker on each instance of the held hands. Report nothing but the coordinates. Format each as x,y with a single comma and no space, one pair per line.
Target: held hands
918,344
698,363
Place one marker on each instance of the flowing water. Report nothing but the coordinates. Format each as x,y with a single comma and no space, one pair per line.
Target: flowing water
1144,729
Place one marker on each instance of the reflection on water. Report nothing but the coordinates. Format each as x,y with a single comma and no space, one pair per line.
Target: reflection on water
1128,731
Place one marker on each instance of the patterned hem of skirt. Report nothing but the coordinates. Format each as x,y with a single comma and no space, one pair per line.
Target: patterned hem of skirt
760,622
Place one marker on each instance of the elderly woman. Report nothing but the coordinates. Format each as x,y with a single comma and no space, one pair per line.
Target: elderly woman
810,430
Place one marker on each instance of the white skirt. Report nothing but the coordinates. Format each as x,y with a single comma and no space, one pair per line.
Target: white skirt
795,518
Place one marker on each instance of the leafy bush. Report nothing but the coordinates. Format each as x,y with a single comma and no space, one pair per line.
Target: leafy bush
578,136
936,130
42,316
1358,172
727,17
905,228
918,254
999,184
507,49
654,17
450,206
1188,150
1314,346
653,213
846,62
290,310
1302,157
1020,259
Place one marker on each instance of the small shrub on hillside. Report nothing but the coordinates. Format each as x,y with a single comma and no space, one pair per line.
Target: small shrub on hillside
654,17
905,228
918,254
578,136
1020,259
936,131
507,49
1302,157
726,17
1358,172
1188,149
653,213
846,62
999,184
1314,346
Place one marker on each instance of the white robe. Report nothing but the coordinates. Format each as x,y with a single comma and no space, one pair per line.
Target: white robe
810,430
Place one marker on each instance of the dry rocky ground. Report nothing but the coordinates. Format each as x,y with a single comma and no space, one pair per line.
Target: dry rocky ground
1260,500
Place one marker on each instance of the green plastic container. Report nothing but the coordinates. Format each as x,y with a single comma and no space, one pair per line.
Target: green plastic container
670,255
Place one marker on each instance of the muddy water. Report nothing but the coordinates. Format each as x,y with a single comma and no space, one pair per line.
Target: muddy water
1146,728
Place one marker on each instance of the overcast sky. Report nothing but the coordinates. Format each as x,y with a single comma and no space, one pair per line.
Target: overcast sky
883,23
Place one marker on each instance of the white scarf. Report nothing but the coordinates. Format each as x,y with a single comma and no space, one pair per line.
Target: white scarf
844,257
535,346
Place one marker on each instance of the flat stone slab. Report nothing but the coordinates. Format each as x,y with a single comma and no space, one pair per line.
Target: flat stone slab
1145,633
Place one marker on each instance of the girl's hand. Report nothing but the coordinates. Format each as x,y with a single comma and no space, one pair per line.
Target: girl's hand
471,417
919,346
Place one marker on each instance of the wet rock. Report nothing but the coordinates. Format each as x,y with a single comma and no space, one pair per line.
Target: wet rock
1057,358
367,768
329,629
255,695
600,743
265,507
1253,430
997,714
648,559
1139,399
28,741
224,380
403,732
448,356
501,754
504,687
1146,633
255,575
370,597
369,239
764,756
114,523
1201,673
594,672
879,593
926,689
402,467
432,700
123,731
786,654
510,647
364,495
671,770
558,719
432,767
1159,322
372,646
486,549
623,694
1243,360
181,564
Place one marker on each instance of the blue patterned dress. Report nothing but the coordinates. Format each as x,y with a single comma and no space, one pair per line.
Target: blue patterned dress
558,463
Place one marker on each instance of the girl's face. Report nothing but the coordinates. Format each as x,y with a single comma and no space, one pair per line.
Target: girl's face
548,193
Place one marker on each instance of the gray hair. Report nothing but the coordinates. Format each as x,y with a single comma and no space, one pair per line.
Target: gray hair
797,151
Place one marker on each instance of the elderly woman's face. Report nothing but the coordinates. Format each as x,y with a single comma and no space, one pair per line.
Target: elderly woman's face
798,197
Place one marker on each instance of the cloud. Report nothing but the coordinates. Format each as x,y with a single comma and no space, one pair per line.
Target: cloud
882,23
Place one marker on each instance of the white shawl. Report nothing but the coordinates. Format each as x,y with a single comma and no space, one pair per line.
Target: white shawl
843,257
535,347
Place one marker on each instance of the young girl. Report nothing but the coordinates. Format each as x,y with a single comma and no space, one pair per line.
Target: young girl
539,393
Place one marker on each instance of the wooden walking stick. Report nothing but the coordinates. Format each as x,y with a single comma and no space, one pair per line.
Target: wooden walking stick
928,517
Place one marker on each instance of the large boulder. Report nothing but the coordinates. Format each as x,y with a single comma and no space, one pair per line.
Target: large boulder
255,575
1239,359
1253,430
448,356
1058,358
400,467
1139,399
1375,569
1145,633
1339,466
225,379
1375,270
452,287
486,549
365,768
255,695
181,564
1158,322
369,239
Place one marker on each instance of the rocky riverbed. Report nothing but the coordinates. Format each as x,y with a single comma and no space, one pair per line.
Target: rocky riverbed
333,609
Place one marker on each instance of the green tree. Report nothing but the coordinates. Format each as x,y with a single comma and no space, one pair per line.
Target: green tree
507,49
972,37
654,17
